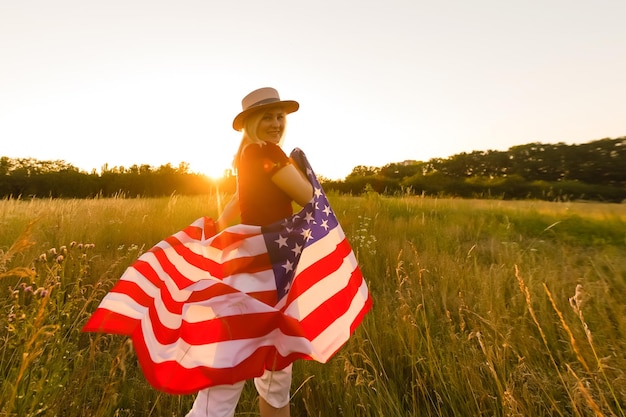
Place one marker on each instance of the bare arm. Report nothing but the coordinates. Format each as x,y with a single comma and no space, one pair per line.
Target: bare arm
230,213
294,183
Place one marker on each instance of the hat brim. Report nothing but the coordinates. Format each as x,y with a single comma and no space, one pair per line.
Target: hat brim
289,106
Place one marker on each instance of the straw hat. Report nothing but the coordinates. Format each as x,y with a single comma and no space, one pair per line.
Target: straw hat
261,99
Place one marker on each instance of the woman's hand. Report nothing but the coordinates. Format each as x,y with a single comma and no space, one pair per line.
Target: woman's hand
230,213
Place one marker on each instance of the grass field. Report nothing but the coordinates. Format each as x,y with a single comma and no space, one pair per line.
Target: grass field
481,307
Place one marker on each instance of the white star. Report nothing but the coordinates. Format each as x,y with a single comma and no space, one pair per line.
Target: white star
318,192
326,210
288,266
282,241
325,224
309,218
306,233
297,250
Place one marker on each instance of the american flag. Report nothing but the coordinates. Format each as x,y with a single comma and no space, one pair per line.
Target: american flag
207,309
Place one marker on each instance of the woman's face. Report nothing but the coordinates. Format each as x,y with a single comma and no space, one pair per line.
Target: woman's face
272,125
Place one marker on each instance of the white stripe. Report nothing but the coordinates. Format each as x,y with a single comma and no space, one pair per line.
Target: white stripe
312,254
322,290
124,305
132,275
320,248
227,354
186,269
171,320
226,305
223,354
217,306
250,246
335,335
257,282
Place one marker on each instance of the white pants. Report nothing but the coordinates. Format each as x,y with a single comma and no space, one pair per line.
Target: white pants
221,400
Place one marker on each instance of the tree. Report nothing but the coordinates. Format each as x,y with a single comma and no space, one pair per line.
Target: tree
362,171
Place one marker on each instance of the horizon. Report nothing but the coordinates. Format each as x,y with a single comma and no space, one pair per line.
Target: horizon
99,171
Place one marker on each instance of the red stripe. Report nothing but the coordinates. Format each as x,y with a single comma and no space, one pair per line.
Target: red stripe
103,320
222,328
173,378
179,279
133,290
147,271
226,239
201,229
267,297
318,271
359,318
243,264
215,290
333,308
228,328
193,231
246,265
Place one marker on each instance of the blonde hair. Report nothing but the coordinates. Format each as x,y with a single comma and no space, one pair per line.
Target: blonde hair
249,137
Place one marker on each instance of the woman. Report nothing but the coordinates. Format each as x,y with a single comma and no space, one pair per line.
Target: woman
267,184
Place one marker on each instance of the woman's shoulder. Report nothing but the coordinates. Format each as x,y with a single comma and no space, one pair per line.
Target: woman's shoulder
256,150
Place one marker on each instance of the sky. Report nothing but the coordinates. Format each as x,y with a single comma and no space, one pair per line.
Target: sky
124,82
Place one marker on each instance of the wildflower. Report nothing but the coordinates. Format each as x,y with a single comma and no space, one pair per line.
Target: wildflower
577,301
80,246
52,251
72,243
28,290
42,292
59,259
43,257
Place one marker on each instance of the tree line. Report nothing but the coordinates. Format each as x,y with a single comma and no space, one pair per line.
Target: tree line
594,171
28,178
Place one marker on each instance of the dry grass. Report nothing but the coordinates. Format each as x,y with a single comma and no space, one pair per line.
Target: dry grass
482,307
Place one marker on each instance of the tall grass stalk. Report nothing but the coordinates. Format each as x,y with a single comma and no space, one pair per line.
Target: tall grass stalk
531,310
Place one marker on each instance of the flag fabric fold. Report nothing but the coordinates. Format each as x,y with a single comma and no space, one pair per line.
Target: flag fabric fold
207,309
